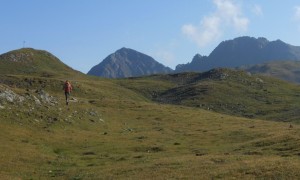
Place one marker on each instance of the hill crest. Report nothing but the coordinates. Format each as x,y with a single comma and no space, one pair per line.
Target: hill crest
30,61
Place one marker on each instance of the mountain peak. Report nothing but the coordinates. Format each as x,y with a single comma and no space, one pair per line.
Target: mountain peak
125,49
243,50
197,56
129,53
127,62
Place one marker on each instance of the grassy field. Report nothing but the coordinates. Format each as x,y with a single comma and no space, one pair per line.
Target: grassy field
112,132
220,124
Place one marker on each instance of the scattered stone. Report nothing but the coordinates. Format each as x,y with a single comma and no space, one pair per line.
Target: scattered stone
155,149
46,98
92,113
259,80
36,100
73,99
223,76
101,120
128,129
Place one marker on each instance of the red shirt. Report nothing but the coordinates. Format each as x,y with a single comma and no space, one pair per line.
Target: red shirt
67,87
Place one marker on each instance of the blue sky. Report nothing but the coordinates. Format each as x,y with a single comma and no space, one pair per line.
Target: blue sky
82,33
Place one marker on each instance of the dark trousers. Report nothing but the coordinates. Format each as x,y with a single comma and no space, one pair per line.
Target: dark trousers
67,94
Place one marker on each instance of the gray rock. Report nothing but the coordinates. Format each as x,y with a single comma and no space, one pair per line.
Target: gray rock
8,95
92,113
46,98
36,100
259,80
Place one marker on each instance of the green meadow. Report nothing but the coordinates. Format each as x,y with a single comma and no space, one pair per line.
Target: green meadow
221,124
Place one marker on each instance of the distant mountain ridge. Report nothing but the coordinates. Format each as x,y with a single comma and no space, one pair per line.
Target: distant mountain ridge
242,51
127,62
256,55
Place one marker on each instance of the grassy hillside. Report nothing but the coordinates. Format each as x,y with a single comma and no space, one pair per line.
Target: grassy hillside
226,91
113,130
285,70
113,133
28,61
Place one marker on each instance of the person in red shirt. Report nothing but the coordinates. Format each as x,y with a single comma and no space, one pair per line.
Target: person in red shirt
68,90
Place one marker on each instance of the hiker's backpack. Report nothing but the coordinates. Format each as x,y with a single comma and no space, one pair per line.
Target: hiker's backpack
68,87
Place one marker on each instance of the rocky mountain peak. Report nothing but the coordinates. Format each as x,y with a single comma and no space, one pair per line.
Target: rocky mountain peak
242,51
127,62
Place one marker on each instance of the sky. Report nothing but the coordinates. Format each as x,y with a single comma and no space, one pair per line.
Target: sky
83,33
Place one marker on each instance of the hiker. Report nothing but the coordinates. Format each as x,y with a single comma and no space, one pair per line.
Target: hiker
68,89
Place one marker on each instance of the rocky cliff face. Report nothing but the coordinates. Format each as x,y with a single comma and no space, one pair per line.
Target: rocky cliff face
128,63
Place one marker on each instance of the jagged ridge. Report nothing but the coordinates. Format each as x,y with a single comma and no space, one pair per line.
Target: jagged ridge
242,51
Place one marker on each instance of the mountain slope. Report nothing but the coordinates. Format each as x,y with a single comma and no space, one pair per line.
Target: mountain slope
285,70
236,93
29,61
242,51
114,138
128,63
112,130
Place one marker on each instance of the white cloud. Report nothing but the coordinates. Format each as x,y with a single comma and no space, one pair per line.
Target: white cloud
165,57
166,53
227,15
257,10
297,13
207,32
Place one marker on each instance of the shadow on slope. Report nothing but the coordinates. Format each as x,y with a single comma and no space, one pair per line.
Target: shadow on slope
226,91
285,70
